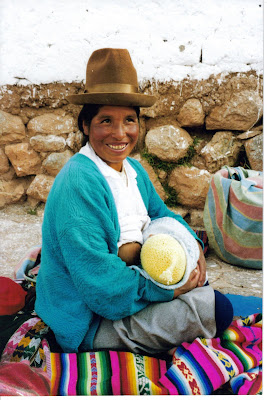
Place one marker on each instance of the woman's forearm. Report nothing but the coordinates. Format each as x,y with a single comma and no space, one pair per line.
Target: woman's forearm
130,253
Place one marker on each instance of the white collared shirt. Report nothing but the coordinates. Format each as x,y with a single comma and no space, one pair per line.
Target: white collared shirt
132,213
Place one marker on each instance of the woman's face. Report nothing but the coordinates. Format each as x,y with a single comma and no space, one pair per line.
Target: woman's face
113,133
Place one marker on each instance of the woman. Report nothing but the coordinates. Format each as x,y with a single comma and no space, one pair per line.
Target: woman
94,217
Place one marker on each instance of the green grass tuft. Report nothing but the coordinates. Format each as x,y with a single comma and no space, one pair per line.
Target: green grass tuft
168,167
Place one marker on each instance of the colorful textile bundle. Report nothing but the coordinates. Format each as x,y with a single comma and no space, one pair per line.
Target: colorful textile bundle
30,262
197,368
206,364
248,383
26,344
233,216
20,379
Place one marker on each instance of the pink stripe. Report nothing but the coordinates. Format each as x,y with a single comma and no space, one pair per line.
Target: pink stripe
164,380
234,360
115,379
167,384
247,387
249,210
229,243
73,374
210,366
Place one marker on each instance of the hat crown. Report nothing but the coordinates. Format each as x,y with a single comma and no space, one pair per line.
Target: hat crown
108,67
112,79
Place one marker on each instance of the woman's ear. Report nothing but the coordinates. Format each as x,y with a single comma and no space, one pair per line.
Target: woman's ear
85,129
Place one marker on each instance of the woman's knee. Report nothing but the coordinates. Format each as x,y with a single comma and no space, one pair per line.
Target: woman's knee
223,312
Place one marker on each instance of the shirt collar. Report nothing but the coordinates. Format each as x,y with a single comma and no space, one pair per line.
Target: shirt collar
106,170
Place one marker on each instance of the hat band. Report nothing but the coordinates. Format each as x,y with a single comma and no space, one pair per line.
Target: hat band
112,88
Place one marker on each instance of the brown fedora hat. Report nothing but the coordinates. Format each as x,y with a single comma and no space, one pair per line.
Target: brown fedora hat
111,79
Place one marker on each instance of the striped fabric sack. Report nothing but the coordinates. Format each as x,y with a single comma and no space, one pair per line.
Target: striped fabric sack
233,216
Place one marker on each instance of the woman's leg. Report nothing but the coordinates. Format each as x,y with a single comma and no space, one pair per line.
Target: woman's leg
223,312
161,326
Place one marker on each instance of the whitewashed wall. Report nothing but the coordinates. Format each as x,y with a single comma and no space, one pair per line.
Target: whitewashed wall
43,41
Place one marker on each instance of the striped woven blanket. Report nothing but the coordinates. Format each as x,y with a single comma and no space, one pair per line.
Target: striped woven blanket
233,216
200,367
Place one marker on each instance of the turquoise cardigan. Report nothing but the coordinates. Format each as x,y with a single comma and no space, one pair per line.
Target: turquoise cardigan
81,278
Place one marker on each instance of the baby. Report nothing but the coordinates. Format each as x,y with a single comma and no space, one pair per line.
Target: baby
168,256
163,258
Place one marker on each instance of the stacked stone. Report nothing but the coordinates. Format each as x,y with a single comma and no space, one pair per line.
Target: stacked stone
195,126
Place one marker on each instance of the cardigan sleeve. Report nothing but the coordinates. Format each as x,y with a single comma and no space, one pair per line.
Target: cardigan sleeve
88,244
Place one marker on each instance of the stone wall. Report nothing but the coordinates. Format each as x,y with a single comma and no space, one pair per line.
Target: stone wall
194,128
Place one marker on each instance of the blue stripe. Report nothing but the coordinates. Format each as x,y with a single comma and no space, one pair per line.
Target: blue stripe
176,377
244,222
230,258
199,373
63,375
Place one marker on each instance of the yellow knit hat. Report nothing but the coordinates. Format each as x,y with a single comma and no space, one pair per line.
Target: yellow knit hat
163,258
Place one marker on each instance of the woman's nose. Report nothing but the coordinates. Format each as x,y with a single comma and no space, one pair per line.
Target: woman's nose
118,130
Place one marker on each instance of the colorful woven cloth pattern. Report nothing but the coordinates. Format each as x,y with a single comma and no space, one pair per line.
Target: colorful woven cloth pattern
248,383
25,343
233,216
205,365
197,368
107,373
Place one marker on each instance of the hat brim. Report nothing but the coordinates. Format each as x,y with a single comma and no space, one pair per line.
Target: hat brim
116,99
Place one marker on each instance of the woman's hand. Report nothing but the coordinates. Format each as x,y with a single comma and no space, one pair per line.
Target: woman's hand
130,253
191,284
197,277
202,266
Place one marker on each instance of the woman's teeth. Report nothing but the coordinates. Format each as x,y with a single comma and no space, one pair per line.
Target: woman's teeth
117,147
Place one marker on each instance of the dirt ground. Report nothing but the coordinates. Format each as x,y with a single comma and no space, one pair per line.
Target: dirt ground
20,230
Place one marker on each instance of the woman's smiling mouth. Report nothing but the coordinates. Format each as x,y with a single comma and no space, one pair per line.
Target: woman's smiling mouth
117,146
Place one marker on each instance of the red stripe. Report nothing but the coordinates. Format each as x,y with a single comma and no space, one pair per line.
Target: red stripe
126,390
256,385
240,335
94,376
156,375
188,375
249,210
229,243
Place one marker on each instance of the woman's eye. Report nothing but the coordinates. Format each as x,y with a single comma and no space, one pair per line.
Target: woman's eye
130,119
105,121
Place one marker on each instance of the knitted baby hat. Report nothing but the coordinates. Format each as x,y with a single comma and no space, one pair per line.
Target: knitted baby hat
163,258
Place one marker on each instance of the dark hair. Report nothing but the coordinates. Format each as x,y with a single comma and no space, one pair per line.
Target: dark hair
88,112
